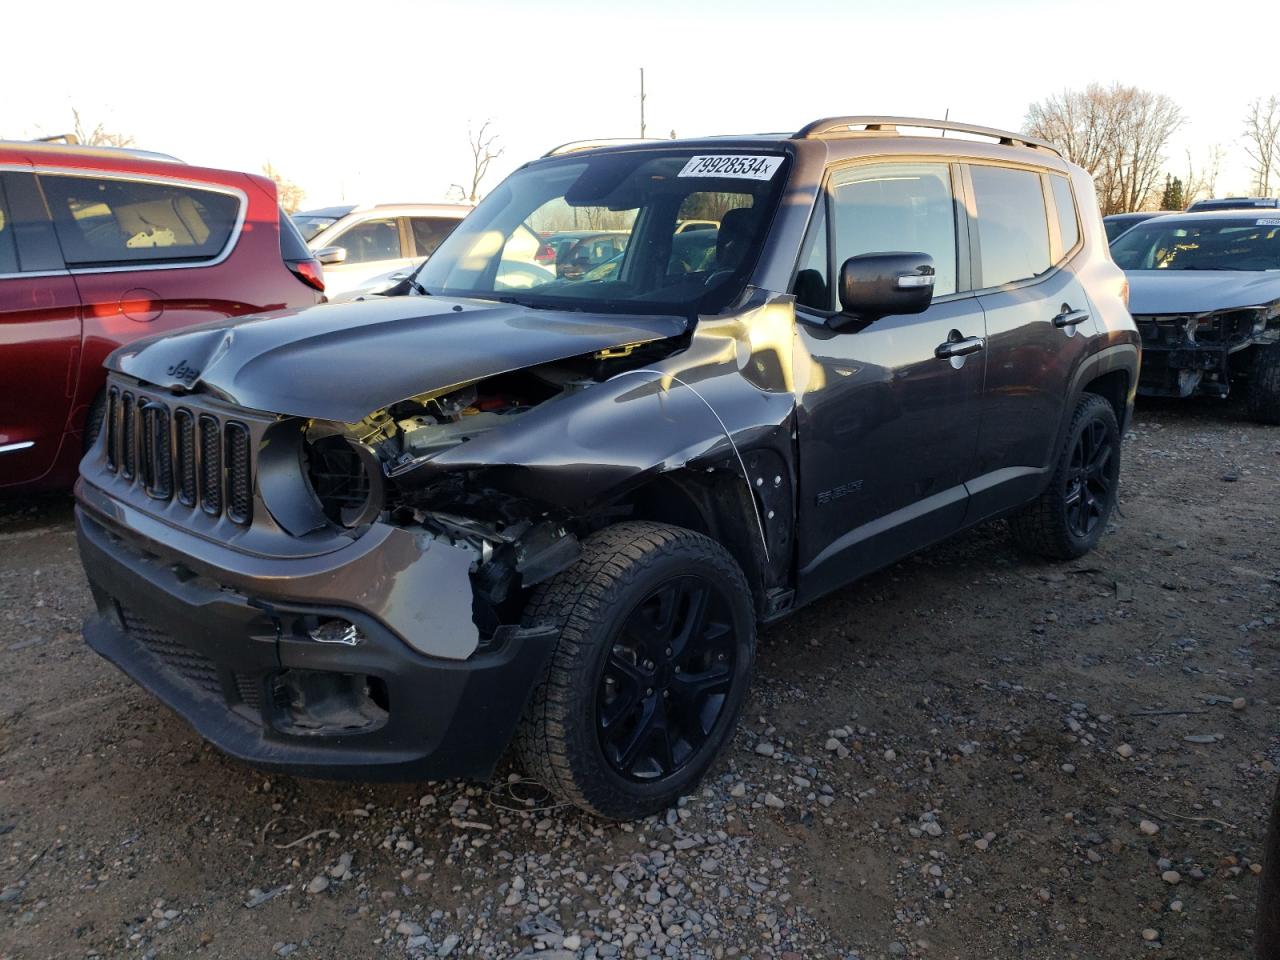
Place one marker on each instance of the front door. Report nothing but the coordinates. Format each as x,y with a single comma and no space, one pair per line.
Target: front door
888,422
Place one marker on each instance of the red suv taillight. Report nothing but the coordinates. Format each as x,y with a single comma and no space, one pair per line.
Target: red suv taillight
308,271
546,253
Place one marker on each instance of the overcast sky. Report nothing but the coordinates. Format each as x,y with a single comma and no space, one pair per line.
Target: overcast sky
370,100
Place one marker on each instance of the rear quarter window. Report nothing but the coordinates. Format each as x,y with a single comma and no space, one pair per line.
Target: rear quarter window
1068,219
8,249
108,222
1013,226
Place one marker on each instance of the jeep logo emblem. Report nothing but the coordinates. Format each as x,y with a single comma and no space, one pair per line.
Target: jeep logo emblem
180,371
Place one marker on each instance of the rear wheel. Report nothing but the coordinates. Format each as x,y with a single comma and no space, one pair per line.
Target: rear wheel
657,637
1264,385
1068,519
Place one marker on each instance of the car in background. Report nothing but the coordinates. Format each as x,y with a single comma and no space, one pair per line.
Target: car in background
102,246
357,244
1118,223
1235,203
574,260
1204,289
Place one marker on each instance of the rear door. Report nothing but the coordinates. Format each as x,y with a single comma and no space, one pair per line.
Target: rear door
1025,233
39,334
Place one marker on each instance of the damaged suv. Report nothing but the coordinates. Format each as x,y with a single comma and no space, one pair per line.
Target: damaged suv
386,539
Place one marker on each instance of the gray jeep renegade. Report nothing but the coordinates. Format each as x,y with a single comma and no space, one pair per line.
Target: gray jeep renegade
390,538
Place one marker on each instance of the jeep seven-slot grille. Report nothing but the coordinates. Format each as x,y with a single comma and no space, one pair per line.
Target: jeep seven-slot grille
200,460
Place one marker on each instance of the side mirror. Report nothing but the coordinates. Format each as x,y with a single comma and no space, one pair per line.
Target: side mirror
331,255
875,285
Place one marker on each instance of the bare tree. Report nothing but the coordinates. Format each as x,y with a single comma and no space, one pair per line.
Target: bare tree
483,154
1199,183
98,135
1117,133
289,193
1262,142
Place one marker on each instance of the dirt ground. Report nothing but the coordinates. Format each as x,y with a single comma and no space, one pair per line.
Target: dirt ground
953,758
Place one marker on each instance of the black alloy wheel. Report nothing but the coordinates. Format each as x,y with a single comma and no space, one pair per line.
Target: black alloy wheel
1089,482
648,673
666,681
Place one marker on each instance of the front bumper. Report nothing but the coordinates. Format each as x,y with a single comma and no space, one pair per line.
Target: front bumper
236,662
1183,370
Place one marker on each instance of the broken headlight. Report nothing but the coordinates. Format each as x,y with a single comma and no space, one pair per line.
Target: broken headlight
346,478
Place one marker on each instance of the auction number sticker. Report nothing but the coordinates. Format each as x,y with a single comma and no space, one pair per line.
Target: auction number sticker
735,166
1268,223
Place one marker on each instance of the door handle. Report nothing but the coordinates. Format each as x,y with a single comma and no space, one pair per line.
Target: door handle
1069,317
960,348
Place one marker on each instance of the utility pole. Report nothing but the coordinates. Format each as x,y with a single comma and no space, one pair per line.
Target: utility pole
642,103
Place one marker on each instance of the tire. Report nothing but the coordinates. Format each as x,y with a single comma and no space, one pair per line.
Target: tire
1068,519
622,685
1264,385
93,421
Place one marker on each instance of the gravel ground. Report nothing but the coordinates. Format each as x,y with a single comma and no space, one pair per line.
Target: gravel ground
968,755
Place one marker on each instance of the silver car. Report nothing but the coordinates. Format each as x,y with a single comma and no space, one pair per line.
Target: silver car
358,243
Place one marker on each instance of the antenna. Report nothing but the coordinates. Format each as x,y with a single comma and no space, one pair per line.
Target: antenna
945,117
642,103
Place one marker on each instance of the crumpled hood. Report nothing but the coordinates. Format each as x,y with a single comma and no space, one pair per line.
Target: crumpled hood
1200,291
343,361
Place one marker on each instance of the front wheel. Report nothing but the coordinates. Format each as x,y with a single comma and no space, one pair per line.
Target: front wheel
1068,519
1264,385
650,670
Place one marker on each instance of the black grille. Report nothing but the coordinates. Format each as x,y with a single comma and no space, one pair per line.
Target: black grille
176,453
239,486
188,664
250,690
127,430
157,451
185,429
113,429
210,465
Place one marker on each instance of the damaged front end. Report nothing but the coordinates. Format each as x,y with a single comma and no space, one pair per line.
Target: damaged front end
1188,353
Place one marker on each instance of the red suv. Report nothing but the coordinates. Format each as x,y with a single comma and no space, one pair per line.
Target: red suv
101,246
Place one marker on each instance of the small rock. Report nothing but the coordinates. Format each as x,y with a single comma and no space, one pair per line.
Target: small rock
982,843
1150,935
407,928
285,949
572,942
773,800
765,748
446,948
1068,768
1176,906
832,745
1043,895
1239,703
318,885
932,828
739,789
1171,877
890,755
1125,750
1149,828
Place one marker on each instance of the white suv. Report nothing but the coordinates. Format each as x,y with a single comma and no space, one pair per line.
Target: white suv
357,243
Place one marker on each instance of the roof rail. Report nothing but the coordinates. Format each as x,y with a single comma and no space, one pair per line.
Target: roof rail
68,142
573,146
842,127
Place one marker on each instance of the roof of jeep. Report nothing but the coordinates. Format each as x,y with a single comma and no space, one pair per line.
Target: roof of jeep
858,136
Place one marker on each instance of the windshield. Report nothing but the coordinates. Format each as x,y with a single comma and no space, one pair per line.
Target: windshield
1200,245
310,226
622,210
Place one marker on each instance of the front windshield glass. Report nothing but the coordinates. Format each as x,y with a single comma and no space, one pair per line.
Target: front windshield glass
310,226
603,233
1234,244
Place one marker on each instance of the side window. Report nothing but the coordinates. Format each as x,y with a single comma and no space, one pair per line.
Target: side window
909,207
1068,222
371,240
428,232
812,286
106,222
8,248
1013,227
